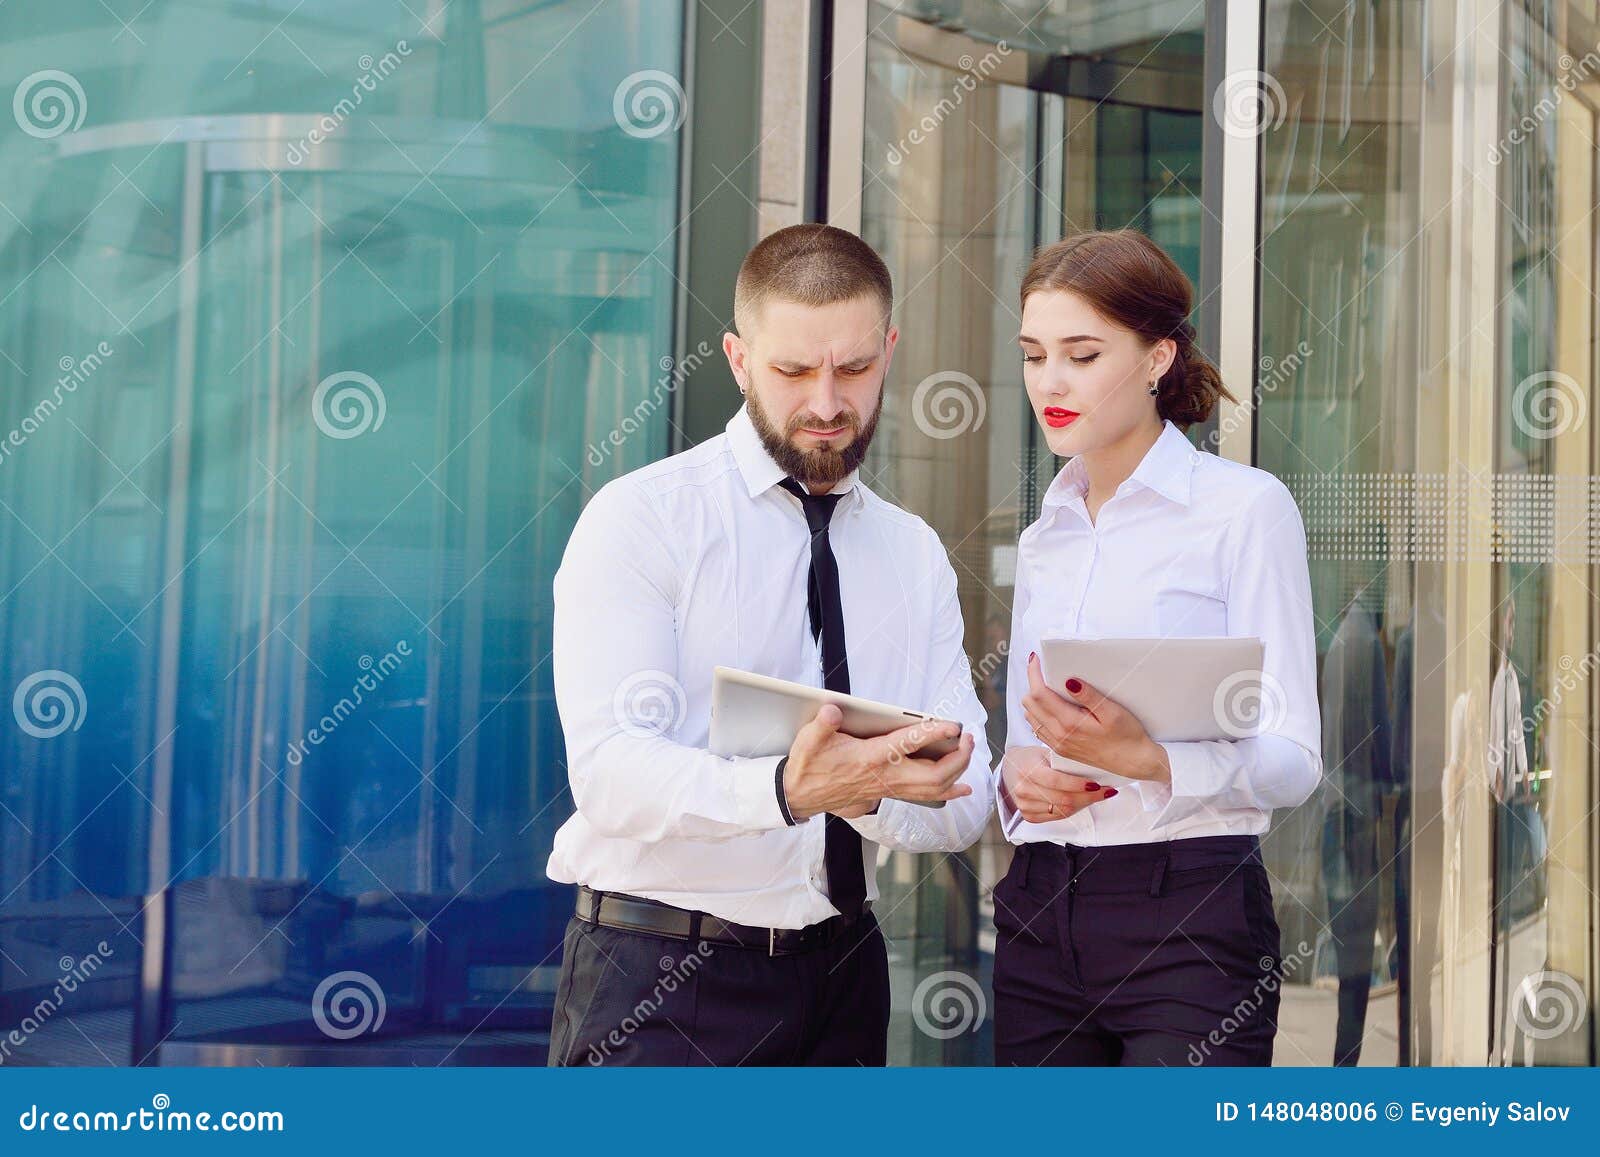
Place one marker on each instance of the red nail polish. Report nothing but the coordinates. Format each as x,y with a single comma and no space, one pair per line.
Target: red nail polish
1032,655
1074,686
1110,791
1091,787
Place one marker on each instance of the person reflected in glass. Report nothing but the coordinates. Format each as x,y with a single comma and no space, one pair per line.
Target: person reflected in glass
1356,750
1135,924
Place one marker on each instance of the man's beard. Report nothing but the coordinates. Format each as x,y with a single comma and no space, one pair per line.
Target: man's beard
822,467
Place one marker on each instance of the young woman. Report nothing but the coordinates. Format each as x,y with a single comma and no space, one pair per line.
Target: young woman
1135,923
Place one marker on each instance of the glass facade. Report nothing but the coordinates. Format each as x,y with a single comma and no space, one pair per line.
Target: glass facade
322,322
1422,378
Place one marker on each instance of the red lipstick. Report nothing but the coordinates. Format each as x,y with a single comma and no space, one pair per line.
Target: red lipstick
1057,417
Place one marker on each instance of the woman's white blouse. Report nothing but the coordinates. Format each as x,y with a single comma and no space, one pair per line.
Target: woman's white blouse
1190,544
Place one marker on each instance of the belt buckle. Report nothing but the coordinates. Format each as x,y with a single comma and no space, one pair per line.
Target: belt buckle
772,942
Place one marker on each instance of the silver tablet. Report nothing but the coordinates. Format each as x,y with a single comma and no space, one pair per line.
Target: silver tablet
755,715
1180,689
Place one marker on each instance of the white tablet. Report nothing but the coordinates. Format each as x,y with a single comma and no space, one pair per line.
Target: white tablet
756,715
1181,689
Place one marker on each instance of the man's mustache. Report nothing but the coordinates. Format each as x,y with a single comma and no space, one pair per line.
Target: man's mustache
798,424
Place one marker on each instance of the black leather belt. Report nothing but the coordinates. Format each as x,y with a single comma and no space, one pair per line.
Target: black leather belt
636,914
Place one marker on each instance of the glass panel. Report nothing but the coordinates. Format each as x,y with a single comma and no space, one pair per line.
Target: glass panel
1540,763
319,329
1336,419
967,170
1411,925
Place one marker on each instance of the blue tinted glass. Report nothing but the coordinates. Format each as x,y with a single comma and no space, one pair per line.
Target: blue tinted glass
319,325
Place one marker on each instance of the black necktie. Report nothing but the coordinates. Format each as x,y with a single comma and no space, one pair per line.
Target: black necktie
847,880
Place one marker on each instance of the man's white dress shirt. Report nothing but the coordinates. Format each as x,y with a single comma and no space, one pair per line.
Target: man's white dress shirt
1190,545
702,560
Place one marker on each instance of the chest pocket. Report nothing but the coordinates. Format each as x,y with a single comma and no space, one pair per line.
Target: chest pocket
1186,608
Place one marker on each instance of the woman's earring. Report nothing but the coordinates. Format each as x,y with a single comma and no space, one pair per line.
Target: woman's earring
1154,389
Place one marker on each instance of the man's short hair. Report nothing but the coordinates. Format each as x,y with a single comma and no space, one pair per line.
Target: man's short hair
809,264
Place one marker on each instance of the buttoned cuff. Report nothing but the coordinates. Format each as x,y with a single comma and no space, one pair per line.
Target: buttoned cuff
1187,790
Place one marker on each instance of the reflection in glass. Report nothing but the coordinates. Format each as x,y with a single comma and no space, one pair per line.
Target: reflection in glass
957,211
292,534
1336,419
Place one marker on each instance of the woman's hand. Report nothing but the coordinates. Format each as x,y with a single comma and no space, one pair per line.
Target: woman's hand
1040,792
1101,733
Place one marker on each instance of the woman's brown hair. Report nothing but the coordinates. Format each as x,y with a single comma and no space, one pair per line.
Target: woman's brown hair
1130,280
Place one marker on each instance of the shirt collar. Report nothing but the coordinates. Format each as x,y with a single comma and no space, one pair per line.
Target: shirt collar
1166,468
760,471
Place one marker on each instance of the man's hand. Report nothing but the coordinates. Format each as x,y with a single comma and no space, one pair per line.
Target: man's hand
832,772
1041,793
